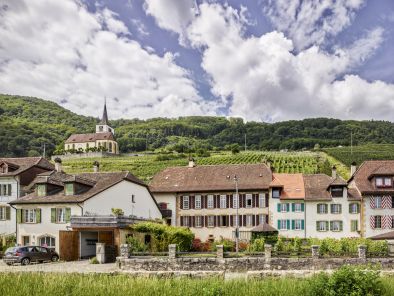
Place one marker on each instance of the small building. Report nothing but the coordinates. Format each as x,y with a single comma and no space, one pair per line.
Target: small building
59,201
15,175
102,139
204,198
374,181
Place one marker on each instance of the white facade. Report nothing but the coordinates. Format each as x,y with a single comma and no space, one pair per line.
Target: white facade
170,200
379,207
8,226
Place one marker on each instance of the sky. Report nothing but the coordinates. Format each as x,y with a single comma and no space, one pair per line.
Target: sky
262,60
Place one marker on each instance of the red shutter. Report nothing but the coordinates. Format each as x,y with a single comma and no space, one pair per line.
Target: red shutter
181,202
244,218
244,200
372,202
266,200
372,221
181,220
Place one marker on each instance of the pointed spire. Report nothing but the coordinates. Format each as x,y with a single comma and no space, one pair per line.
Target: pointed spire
104,119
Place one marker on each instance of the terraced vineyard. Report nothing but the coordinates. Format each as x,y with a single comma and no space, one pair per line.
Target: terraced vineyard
362,153
145,167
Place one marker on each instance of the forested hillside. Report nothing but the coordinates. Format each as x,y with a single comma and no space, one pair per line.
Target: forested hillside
27,123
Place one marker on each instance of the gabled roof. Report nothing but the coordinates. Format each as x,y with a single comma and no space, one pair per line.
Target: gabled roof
100,181
388,235
264,227
212,178
371,168
22,164
83,138
292,184
338,181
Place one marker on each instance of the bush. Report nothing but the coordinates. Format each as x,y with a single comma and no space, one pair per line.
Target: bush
117,212
257,245
135,245
348,280
93,260
228,245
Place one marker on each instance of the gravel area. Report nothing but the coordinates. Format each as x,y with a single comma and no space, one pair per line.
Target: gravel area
64,267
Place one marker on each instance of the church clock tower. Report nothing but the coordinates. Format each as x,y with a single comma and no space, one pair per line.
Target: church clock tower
103,126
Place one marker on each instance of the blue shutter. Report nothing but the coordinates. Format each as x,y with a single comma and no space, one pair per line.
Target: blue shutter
278,224
288,224
278,207
302,224
302,207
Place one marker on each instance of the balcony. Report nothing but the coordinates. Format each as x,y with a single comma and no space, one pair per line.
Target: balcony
105,221
166,213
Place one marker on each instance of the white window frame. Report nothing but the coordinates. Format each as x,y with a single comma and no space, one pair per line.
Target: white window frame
210,202
297,207
337,207
262,200
197,221
211,221
281,223
236,220
185,221
249,221
235,201
322,226
390,184
283,207
2,213
261,219
296,226
46,237
197,202
336,223
380,221
60,215
29,216
249,197
353,208
276,190
321,207
378,201
185,202
223,201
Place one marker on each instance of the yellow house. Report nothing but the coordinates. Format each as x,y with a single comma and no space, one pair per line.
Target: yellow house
102,139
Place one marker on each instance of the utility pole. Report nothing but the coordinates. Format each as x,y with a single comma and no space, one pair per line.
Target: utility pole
351,143
237,215
245,142
44,152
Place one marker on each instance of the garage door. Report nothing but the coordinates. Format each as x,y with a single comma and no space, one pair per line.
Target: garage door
69,245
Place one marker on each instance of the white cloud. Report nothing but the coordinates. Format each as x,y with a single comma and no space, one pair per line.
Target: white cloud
309,22
59,51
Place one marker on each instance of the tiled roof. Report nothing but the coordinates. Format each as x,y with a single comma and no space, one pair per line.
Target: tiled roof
362,177
388,235
212,178
22,164
99,181
264,227
82,138
292,184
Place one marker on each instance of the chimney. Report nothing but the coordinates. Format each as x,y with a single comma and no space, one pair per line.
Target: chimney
58,165
96,166
353,168
334,172
192,163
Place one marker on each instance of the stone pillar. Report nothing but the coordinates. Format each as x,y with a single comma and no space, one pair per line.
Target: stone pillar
362,252
267,253
391,249
100,252
172,251
219,252
124,250
315,252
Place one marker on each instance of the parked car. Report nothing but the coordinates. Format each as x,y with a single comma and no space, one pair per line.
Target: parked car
26,254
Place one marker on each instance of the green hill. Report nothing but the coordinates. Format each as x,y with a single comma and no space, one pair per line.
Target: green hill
27,123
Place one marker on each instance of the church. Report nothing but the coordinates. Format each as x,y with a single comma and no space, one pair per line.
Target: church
103,138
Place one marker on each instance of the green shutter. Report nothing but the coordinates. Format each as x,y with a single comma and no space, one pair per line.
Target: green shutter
288,224
302,207
293,207
38,215
19,216
68,215
9,190
340,209
327,228
350,208
302,224
278,207
318,208
317,226
292,224
53,215
8,213
278,224
340,225
288,207
331,225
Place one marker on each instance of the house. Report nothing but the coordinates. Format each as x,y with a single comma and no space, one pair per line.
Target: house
103,138
287,205
70,213
15,175
374,181
204,198
332,208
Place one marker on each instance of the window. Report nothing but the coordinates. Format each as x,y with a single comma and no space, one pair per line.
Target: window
283,207
133,199
29,216
210,202
249,222
378,202
41,189
236,220
354,208
47,241
223,203
321,225
337,191
223,221
276,193
383,182
101,128
185,221
211,221
235,201
25,240
297,207
378,221
336,209
69,188
197,202
282,224
379,182
5,190
262,219
197,221
336,225
185,202
322,208
354,225
387,182
5,213
262,201
298,224
61,215
249,198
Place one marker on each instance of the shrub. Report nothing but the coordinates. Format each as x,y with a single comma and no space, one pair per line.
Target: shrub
135,245
117,212
348,280
257,245
228,245
93,260
243,246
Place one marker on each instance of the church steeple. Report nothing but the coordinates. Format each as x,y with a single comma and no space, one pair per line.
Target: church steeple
103,125
104,119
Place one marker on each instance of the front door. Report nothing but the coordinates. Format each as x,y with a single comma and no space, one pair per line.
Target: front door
25,240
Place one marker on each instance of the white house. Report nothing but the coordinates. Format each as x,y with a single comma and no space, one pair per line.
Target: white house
47,213
15,174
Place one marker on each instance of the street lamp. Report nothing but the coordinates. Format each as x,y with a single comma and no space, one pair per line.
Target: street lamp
236,224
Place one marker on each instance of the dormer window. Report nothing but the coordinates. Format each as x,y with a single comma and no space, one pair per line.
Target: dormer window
383,182
69,189
276,193
41,189
337,191
3,169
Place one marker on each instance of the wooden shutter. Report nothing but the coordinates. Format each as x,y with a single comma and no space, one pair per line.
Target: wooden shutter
218,201
372,221
244,200
318,208
68,215
278,207
266,200
181,202
253,220
293,207
191,202
253,200
288,207
231,201
266,219
302,224
302,207
53,215
278,224
19,216
331,208
206,221
181,220
340,208
38,215
191,221
9,190
350,208
340,225
317,226
244,220
231,220
8,213
227,220
292,224
331,223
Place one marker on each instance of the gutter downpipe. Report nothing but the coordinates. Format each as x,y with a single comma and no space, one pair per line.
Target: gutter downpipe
80,247
16,220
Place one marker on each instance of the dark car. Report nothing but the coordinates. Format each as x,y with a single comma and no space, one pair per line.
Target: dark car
26,254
